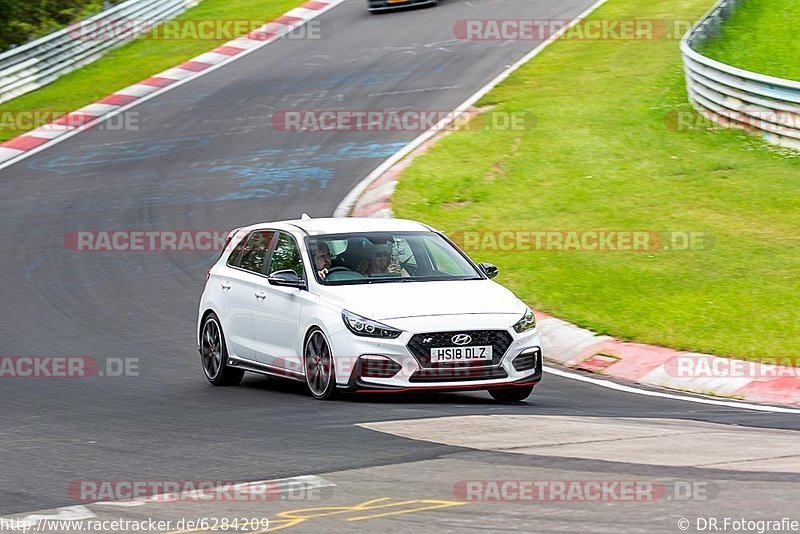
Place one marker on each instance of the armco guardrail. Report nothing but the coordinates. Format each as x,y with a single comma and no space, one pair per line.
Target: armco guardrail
736,97
30,66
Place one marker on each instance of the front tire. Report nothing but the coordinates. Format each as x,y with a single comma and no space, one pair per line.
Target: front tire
318,365
214,355
511,394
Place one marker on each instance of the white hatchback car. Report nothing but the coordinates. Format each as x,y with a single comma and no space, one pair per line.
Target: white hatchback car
366,305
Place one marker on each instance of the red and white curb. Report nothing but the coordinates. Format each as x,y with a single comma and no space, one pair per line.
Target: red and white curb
582,349
578,348
82,119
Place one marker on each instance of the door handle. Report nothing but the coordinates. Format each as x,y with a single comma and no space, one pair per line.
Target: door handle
225,285
261,295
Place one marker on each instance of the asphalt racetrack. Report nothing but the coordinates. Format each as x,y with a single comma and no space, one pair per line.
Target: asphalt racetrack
206,157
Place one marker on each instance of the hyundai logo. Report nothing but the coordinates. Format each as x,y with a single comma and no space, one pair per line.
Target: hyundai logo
461,339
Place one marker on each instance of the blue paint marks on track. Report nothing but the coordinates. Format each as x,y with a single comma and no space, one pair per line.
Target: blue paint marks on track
264,173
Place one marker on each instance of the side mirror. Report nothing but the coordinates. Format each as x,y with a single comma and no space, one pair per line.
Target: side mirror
489,269
286,278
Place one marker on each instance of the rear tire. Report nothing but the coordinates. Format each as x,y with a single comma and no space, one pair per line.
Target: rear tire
318,366
214,355
511,393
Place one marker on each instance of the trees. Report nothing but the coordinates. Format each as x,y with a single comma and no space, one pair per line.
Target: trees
21,20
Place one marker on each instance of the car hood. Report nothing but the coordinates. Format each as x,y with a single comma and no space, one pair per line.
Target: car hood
394,300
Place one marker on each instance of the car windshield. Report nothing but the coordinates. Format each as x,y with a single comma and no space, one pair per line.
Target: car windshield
384,257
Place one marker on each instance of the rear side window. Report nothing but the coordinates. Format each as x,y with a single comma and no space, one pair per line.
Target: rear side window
254,255
286,256
236,255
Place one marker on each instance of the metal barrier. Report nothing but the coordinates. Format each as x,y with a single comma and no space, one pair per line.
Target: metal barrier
736,97
30,66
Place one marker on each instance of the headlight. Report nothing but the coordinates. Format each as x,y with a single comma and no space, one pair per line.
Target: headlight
527,322
361,326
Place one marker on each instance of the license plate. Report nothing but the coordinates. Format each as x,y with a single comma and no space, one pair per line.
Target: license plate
461,354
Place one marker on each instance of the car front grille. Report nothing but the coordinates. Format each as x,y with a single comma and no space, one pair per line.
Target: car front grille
420,346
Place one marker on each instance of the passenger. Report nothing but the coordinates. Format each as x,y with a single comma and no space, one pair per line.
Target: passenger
381,262
322,259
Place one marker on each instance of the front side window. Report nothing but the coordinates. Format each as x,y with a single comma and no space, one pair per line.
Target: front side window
443,261
255,251
286,256
364,258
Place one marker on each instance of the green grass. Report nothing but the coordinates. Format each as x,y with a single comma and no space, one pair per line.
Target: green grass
136,61
761,37
602,157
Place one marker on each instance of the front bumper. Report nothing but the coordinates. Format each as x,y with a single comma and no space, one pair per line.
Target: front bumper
359,385
348,351
385,5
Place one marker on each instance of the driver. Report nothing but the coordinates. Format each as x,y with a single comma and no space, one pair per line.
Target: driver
322,259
